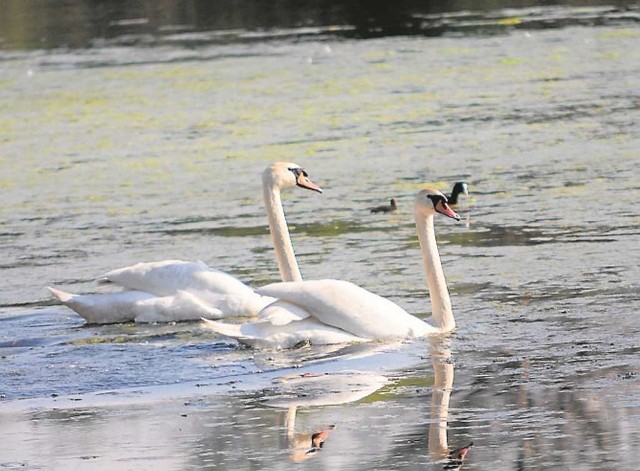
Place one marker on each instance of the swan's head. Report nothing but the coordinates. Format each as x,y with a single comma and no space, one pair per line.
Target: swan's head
461,187
287,175
429,202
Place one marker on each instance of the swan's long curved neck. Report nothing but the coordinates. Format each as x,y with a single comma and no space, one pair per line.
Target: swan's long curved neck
285,256
438,292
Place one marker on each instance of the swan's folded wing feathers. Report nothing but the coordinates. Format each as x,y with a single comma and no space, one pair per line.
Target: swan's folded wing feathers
264,334
183,306
160,278
282,312
167,278
349,307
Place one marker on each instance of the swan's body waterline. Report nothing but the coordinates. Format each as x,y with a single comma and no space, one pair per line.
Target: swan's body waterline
338,309
176,290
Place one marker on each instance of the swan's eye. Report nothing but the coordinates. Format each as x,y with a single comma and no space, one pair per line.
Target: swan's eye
298,172
434,199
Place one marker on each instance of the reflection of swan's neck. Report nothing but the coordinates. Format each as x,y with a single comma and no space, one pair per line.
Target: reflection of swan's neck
290,421
438,292
442,385
285,256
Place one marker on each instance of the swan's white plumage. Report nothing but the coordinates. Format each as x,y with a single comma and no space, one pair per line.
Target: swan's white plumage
327,306
349,307
281,313
164,277
263,334
176,290
143,307
213,287
182,306
96,308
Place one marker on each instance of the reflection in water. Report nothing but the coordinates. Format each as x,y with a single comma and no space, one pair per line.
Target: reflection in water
193,23
438,447
307,390
516,424
456,457
303,445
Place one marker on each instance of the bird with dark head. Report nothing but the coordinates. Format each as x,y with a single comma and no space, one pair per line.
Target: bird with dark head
458,189
392,206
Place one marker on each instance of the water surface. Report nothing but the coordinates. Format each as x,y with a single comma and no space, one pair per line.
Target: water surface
122,153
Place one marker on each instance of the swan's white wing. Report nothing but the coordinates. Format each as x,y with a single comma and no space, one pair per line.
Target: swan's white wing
281,313
168,276
125,306
350,308
183,306
264,334
216,288
238,303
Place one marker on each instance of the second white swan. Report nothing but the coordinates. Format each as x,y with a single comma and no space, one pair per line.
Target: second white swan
333,311
177,290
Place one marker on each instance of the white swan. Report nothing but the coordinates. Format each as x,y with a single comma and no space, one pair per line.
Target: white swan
176,290
333,311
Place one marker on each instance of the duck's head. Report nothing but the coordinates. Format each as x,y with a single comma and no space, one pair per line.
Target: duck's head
460,187
430,201
287,175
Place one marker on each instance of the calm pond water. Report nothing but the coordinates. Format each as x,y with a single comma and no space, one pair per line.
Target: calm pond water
145,147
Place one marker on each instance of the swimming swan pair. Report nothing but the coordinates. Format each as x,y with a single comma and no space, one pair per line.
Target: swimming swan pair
319,311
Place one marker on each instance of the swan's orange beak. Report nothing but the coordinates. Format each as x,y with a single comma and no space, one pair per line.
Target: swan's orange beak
443,208
303,181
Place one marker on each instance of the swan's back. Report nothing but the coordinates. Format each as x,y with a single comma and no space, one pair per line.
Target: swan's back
351,308
167,277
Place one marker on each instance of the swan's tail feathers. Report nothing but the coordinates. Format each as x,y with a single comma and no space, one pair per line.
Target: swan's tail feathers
74,302
104,281
62,296
222,328
107,308
234,331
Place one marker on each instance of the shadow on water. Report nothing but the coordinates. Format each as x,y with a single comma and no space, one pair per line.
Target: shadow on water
31,24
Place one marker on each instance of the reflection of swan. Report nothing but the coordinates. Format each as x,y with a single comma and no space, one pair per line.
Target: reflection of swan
458,188
442,386
308,390
303,446
333,311
392,206
175,290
